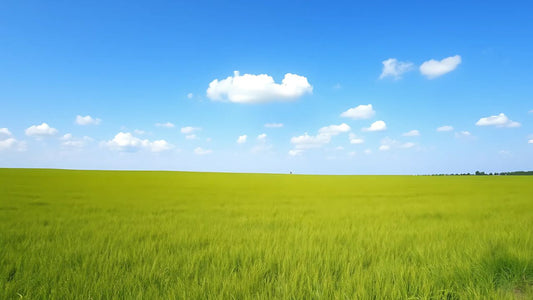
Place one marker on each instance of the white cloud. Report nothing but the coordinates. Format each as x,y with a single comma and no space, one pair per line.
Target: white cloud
167,125
433,68
500,120
323,137
125,141
384,147
274,125
412,133
360,112
262,137
463,134
201,151
190,137
5,132
190,95
355,140
190,129
376,126
368,151
87,120
445,128
295,152
139,132
70,141
242,139
407,145
40,131
394,68
250,88
530,141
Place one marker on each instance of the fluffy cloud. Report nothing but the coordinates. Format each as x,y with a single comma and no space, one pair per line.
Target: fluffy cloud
190,95
242,139
201,151
394,68
376,126
323,137
262,137
87,120
190,129
355,140
250,88
40,131
445,128
412,133
500,120
434,68
359,112
274,125
125,141
167,125
5,132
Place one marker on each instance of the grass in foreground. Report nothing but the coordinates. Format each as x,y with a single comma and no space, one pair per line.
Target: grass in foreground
100,235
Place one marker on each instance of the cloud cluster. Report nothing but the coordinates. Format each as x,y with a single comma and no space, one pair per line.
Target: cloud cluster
8,142
388,144
87,120
125,141
394,68
249,88
360,112
500,120
67,140
40,131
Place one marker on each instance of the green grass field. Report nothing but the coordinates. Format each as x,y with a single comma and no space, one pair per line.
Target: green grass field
101,235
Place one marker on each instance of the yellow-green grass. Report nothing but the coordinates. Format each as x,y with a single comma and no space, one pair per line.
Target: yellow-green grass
108,234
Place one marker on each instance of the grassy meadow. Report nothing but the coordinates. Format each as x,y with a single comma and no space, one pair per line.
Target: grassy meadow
163,235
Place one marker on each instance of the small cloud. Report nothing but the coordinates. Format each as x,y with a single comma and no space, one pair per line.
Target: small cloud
69,141
433,68
166,125
242,139
388,143
190,95
139,132
500,120
274,125
412,133
360,112
201,151
445,128
530,141
190,137
384,147
125,141
189,129
407,145
87,120
355,140
12,144
5,132
376,126
295,152
208,139
463,134
262,137
249,88
352,153
367,151
40,131
394,68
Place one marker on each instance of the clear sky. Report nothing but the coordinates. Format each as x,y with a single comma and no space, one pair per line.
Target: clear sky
267,86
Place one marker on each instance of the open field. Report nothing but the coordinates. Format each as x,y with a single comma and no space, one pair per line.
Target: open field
100,235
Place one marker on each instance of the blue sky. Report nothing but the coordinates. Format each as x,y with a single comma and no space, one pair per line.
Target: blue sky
134,66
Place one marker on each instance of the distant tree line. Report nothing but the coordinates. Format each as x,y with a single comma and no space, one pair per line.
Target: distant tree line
481,173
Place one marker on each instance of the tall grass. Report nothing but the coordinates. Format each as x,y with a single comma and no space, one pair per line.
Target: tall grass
101,235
